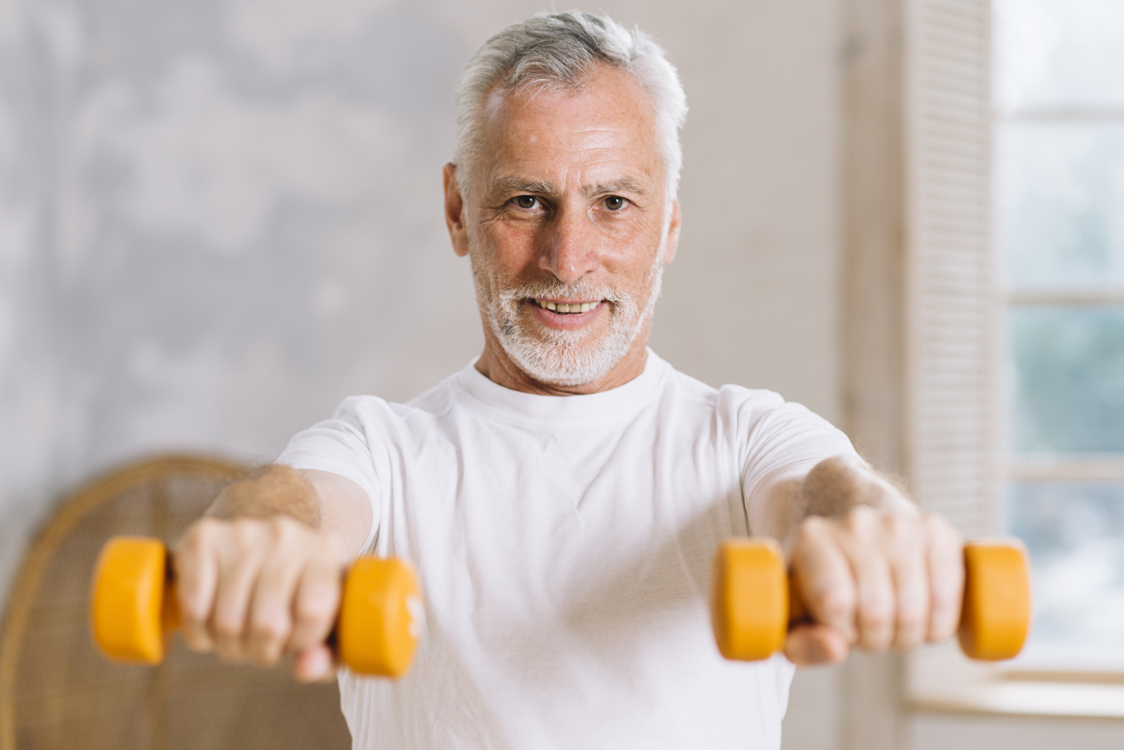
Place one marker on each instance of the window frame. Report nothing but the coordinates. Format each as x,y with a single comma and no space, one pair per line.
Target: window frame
955,350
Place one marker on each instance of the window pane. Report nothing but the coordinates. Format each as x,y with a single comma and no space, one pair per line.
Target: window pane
1061,203
1075,534
1068,379
1059,53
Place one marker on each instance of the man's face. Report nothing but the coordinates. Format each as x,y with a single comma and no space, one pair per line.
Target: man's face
568,225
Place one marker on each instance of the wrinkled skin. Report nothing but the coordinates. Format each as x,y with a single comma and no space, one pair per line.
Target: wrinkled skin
574,200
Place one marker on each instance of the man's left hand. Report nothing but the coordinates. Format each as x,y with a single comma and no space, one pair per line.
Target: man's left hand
874,574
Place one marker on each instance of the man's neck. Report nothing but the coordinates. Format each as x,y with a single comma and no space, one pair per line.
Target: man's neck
498,367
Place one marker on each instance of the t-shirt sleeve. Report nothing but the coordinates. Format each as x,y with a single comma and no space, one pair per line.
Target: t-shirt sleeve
340,445
774,433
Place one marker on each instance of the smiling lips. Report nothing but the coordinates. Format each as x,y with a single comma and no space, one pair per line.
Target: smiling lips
570,308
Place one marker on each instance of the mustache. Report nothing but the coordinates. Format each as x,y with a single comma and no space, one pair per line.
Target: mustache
577,290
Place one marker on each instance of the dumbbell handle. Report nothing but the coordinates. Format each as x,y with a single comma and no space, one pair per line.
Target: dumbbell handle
754,601
133,608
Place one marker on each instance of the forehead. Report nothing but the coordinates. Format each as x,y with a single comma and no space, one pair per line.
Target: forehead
606,124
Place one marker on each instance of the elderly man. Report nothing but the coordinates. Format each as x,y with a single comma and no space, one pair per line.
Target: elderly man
563,496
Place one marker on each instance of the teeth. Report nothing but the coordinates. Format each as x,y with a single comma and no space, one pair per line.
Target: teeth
577,307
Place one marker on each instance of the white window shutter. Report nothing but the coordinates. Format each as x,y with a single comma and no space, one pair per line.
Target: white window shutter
950,270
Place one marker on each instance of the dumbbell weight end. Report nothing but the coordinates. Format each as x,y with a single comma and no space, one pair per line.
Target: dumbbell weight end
996,613
749,600
132,603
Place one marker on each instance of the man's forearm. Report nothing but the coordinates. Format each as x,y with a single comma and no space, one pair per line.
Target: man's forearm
836,485
325,502
830,488
273,490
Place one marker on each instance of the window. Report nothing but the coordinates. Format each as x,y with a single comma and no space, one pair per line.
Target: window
1015,349
1059,223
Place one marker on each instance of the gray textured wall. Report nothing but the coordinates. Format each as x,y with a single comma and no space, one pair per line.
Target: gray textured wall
219,217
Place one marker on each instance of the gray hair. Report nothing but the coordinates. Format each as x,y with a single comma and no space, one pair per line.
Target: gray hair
557,51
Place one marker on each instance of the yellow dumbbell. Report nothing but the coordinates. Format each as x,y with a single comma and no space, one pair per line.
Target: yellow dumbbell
133,609
753,602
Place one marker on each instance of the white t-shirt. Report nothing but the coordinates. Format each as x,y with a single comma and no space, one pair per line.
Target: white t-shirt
565,546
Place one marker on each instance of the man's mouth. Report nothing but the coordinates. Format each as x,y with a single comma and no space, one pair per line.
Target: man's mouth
569,308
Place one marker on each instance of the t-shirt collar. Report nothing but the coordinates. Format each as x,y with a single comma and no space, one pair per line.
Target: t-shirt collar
591,407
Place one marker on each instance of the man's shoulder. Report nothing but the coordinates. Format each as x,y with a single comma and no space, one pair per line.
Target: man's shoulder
728,396
435,401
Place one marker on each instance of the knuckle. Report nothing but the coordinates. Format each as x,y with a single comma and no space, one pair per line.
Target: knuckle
314,610
905,538
196,539
876,614
899,526
194,608
941,530
911,620
943,630
227,628
270,627
245,532
861,520
813,531
285,531
944,597
280,529
837,604
193,611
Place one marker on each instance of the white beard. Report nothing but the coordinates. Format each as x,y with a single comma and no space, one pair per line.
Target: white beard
557,357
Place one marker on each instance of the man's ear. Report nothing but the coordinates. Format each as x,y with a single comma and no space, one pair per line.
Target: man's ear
672,233
454,210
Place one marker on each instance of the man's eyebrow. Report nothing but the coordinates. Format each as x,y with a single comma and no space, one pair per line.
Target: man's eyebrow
519,185
620,185
511,184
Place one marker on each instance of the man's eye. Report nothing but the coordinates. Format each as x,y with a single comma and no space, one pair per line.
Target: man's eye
614,203
527,201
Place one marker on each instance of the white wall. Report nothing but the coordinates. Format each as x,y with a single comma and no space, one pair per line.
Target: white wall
219,217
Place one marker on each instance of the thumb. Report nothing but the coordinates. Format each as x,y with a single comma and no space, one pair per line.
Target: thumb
810,645
315,664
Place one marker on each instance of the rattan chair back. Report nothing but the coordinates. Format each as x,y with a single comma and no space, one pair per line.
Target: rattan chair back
58,693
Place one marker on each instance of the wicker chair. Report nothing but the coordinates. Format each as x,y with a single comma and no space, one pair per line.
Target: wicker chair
58,693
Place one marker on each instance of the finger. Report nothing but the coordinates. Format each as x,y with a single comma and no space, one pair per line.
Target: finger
314,665
910,573
271,608
946,578
811,645
195,570
865,547
317,603
824,577
238,573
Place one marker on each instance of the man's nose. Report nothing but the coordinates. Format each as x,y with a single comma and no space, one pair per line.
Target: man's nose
570,246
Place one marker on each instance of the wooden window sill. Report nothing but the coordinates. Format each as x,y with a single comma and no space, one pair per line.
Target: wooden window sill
1023,698
941,680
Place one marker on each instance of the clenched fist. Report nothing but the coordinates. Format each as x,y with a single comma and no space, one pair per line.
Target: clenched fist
261,576
874,572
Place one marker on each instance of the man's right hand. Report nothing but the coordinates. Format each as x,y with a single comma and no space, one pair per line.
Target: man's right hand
255,584
255,590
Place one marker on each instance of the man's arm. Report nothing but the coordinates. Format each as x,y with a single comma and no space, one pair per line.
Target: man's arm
259,576
875,572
